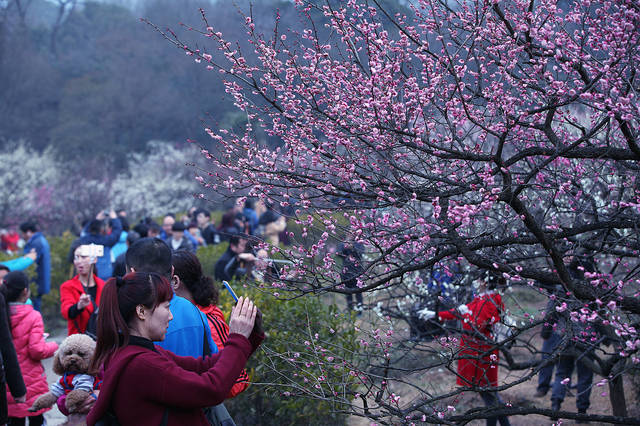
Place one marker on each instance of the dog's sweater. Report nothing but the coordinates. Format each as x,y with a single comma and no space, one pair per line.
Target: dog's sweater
72,381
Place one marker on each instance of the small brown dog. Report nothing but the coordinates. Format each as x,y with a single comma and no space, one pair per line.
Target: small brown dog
71,361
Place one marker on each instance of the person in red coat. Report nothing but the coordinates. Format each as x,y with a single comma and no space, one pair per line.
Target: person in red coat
478,355
80,296
147,385
200,290
27,332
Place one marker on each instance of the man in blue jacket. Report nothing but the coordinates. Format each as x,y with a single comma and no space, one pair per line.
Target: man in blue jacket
189,329
93,233
35,240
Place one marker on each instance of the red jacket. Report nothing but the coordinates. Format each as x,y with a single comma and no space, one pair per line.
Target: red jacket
142,380
220,334
70,292
27,330
478,356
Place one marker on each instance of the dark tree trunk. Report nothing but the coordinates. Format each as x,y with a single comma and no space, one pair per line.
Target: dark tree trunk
616,390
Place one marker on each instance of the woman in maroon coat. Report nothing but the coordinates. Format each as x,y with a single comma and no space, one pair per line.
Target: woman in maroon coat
478,356
147,385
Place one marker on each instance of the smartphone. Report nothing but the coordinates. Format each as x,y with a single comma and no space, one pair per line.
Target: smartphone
228,287
92,250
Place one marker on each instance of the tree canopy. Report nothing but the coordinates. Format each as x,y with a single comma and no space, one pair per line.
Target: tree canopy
460,136
90,80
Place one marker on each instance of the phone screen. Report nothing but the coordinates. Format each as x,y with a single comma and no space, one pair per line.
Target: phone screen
228,287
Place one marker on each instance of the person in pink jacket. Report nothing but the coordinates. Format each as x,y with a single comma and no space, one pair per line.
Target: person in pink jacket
27,330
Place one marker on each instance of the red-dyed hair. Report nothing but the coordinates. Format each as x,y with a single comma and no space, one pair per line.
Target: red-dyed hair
118,302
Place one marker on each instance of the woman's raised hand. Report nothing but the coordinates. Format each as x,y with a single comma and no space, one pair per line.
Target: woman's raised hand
243,316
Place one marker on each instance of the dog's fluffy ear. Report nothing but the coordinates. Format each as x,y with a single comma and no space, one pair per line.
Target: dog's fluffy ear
58,368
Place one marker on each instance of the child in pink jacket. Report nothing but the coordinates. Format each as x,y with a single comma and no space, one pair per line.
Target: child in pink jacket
27,330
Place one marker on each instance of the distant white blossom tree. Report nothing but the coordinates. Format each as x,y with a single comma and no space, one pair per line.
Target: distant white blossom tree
27,177
157,182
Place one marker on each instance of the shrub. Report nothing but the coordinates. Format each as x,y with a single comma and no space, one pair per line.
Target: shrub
209,255
301,374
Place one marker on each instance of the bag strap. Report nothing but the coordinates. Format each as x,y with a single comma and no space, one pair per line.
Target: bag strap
206,349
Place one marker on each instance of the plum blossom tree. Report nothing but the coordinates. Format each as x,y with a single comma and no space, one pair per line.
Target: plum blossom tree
461,135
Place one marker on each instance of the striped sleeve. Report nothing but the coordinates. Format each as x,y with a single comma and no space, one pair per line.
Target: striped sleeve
220,334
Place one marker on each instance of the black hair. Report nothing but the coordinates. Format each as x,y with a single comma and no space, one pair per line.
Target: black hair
142,229
4,267
178,226
155,227
132,237
72,249
29,225
203,211
149,255
235,239
248,204
123,221
95,227
188,268
13,285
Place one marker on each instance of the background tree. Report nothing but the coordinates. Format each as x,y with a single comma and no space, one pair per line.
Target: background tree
157,183
27,177
458,136
90,80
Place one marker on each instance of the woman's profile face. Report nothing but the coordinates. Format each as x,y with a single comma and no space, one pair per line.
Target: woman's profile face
157,322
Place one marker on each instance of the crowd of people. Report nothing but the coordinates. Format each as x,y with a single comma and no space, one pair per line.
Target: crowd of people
141,293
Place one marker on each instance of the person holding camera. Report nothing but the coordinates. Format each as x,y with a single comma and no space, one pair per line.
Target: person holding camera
95,233
80,296
479,354
234,262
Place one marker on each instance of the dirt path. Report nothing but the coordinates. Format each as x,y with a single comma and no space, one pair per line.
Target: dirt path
54,417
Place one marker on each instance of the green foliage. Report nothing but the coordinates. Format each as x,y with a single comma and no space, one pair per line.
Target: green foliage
301,374
209,255
307,339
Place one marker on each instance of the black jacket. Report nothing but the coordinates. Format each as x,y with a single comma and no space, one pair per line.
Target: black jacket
209,234
228,266
9,368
